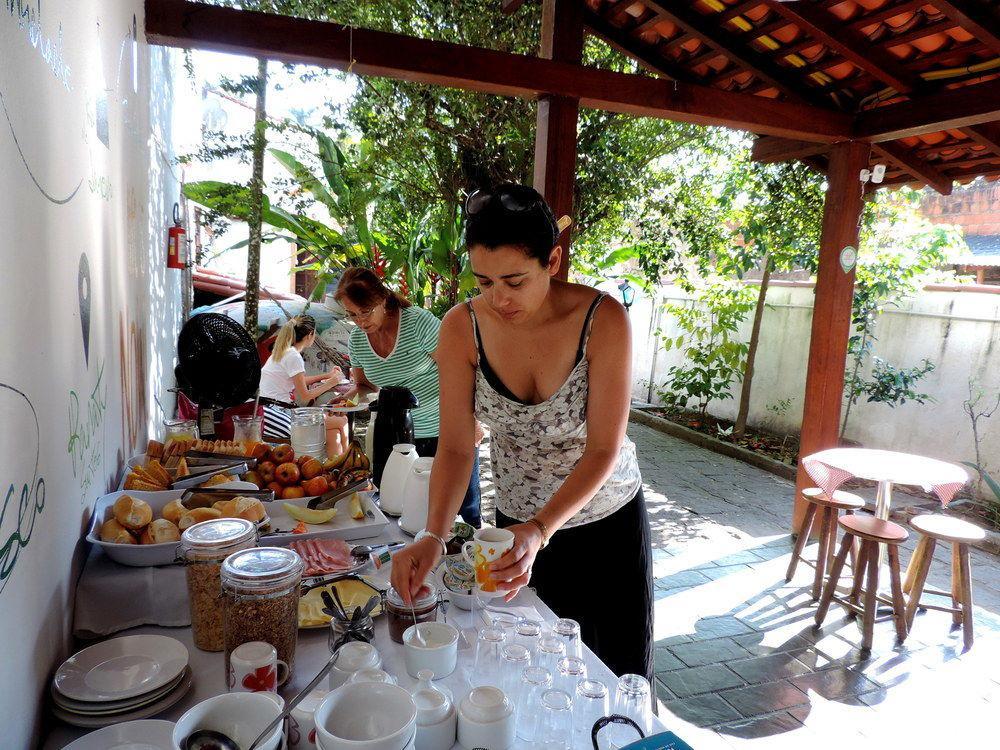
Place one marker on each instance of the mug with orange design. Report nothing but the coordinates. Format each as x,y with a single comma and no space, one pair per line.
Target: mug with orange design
488,544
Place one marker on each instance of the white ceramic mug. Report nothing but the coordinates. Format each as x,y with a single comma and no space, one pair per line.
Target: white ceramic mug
487,545
254,667
301,723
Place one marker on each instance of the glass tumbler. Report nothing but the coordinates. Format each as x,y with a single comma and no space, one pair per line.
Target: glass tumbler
247,429
527,632
549,651
589,704
534,682
514,659
555,721
632,699
486,667
569,672
569,631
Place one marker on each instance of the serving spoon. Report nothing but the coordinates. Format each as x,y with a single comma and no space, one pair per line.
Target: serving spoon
209,739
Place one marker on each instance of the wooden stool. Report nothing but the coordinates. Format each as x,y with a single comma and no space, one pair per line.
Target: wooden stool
872,532
829,508
934,529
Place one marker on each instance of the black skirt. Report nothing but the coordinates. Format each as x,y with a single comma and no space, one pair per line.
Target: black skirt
601,575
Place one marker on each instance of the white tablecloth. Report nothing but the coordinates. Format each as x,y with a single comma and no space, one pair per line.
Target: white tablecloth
312,651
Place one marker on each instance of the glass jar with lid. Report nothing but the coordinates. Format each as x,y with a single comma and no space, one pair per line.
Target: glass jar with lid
260,600
308,432
400,615
179,429
203,548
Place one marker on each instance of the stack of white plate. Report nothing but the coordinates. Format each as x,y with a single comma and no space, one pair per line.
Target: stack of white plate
122,679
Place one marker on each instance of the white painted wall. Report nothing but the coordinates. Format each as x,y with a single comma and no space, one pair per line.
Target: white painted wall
85,183
958,331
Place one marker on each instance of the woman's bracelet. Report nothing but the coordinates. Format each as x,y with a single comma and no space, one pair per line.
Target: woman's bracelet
542,529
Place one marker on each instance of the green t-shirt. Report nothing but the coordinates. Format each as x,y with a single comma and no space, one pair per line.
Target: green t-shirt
409,364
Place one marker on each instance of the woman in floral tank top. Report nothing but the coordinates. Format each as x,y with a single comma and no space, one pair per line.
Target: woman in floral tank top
545,365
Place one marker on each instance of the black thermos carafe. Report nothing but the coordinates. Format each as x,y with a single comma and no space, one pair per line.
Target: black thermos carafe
393,424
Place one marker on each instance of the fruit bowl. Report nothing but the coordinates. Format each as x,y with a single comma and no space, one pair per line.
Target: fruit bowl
293,477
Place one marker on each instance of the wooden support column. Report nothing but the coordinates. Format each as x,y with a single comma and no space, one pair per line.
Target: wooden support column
831,321
555,128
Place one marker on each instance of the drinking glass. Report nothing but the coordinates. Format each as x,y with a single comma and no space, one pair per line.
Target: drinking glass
569,672
486,667
555,721
247,429
514,659
534,682
569,631
589,704
632,699
506,621
549,651
527,632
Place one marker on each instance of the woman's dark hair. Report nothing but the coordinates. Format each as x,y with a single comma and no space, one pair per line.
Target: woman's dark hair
514,215
365,289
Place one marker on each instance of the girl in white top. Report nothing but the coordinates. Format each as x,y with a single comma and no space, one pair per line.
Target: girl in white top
283,378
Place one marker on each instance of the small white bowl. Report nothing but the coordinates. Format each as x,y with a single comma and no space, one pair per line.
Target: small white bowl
366,716
241,716
486,719
439,655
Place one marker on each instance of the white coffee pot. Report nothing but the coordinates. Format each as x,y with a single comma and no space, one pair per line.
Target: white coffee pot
397,469
416,494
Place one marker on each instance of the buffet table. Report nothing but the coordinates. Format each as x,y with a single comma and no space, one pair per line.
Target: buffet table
152,593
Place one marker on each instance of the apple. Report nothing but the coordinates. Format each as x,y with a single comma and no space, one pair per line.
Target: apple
254,478
266,470
276,488
292,493
287,473
311,468
282,453
316,485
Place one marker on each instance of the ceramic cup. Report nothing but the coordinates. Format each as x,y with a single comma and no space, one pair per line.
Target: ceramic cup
486,719
301,725
354,656
487,545
254,667
437,652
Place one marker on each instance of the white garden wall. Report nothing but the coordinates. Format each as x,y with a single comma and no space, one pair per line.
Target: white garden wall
90,313
958,331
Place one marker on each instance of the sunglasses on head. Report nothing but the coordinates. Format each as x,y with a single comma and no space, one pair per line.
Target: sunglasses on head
514,199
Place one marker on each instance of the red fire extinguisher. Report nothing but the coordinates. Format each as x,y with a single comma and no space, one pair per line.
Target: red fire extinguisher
176,246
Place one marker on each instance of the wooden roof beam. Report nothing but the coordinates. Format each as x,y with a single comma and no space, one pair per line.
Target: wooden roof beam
922,170
978,21
827,29
943,110
887,12
624,42
729,44
985,135
177,23
770,149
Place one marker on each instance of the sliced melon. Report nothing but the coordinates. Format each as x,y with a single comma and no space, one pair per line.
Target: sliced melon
306,515
354,504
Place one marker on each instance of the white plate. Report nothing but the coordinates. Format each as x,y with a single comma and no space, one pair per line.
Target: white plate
121,668
131,735
341,526
95,722
138,555
111,707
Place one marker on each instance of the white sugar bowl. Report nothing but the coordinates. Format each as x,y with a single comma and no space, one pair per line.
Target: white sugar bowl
486,719
354,656
437,719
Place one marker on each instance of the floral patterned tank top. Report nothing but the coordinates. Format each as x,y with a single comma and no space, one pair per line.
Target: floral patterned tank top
534,447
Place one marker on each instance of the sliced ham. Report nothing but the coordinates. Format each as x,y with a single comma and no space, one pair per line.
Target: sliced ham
323,556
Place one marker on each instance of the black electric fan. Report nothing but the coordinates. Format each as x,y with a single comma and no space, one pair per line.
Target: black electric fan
217,366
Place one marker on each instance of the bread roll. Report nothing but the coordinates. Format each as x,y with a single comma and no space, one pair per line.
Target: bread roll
131,513
173,511
115,533
223,506
197,516
159,531
249,508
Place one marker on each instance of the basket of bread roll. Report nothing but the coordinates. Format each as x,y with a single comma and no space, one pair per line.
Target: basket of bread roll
143,528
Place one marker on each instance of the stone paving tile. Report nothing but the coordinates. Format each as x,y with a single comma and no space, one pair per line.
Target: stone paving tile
764,698
721,545
696,680
702,710
714,651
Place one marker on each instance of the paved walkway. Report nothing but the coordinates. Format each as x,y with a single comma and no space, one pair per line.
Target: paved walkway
738,663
